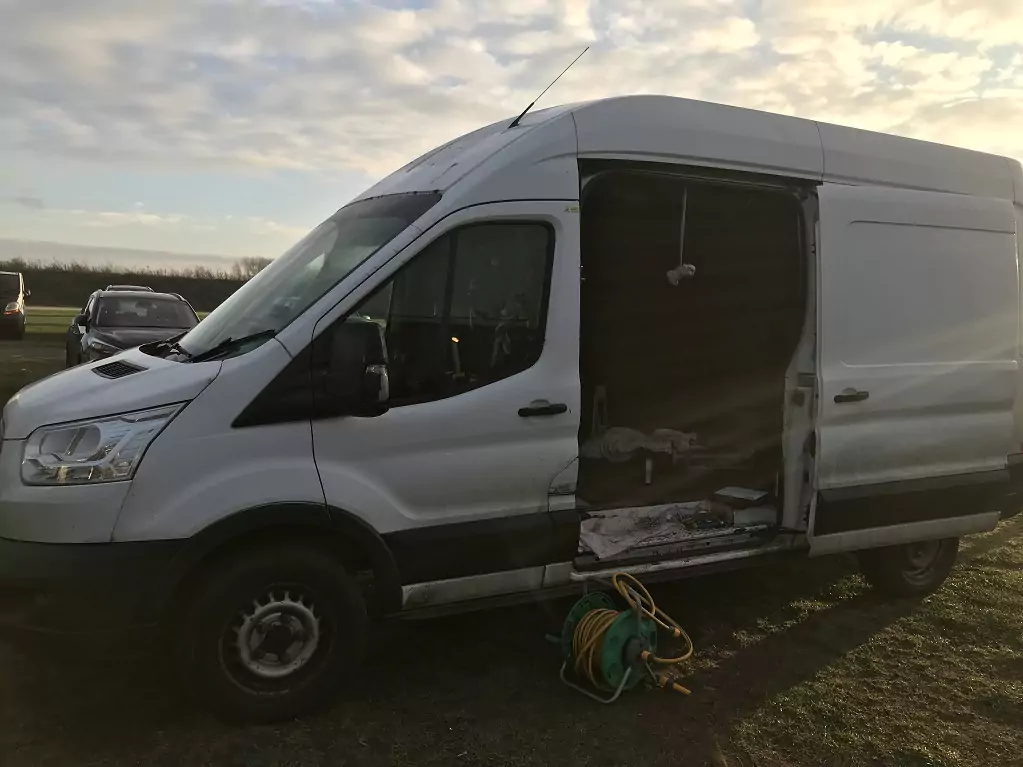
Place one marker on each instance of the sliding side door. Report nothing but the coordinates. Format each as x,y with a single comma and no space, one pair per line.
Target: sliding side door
917,364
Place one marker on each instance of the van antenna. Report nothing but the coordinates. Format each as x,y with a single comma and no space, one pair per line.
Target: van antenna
516,121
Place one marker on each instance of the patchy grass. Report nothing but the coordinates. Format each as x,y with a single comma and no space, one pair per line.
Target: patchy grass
797,664
927,684
49,320
22,362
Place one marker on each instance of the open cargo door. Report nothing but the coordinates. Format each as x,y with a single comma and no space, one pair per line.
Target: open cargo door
917,361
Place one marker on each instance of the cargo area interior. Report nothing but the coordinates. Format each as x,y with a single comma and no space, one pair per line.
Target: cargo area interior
693,300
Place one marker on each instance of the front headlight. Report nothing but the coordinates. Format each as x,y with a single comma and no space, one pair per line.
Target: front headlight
97,450
101,347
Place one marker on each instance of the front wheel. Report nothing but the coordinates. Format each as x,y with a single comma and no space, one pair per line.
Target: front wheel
270,633
912,569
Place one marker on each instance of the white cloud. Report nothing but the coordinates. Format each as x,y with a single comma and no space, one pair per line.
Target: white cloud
317,86
139,228
107,218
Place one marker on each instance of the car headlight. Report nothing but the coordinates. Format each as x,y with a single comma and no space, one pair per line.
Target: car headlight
105,449
102,347
12,307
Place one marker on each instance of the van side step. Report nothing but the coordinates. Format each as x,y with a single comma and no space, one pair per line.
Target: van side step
707,543
671,568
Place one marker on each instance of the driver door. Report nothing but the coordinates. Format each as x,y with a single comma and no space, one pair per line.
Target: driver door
481,328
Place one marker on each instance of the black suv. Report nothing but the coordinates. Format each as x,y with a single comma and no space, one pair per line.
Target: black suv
115,320
12,298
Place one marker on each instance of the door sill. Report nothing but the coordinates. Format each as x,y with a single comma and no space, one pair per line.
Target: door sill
691,564
708,542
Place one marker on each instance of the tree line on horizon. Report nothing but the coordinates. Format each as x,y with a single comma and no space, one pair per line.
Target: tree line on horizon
243,269
69,283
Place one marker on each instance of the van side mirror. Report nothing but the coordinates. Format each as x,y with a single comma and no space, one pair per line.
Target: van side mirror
350,370
82,320
27,294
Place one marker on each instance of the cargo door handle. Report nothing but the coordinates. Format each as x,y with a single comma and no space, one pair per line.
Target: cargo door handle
851,395
542,407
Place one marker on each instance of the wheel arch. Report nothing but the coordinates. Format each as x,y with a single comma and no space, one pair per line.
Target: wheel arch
351,539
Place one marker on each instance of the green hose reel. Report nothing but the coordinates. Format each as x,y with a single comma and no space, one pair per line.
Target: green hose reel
619,664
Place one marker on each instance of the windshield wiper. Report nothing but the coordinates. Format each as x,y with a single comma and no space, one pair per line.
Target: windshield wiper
173,343
230,343
175,346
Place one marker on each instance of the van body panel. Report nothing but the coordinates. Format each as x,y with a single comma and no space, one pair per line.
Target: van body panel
444,166
1016,172
918,335
672,130
469,457
80,392
1018,210
894,535
202,469
855,156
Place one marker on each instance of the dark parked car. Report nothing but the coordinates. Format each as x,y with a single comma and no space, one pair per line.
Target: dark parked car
12,298
116,320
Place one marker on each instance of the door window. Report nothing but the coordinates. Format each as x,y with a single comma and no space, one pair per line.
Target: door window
469,310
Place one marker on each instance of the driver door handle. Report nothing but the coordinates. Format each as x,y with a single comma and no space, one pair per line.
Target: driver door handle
851,395
542,407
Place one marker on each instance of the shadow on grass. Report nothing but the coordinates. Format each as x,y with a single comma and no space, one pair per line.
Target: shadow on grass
479,688
470,689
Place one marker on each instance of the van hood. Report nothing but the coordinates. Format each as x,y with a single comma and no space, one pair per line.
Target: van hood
81,392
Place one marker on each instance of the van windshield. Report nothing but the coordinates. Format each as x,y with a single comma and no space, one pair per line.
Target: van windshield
293,282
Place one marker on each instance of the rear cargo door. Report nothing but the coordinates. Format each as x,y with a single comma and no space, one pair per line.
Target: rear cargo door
917,360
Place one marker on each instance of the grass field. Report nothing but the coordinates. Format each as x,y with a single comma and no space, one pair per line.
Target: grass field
49,320
797,665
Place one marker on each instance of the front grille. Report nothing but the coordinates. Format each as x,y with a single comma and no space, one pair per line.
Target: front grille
118,369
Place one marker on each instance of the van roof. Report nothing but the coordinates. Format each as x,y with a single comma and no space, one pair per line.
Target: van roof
683,131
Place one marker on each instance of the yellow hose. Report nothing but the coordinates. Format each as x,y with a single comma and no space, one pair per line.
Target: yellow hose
588,637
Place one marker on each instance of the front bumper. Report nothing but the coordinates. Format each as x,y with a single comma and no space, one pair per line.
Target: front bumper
78,590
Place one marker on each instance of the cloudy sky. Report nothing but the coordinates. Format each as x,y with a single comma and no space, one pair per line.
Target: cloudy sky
232,126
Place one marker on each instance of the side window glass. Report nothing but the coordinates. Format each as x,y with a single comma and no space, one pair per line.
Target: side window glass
470,309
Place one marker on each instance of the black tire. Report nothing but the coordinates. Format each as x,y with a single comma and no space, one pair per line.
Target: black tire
910,570
286,582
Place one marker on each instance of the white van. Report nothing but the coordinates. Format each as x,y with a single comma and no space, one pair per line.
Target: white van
642,334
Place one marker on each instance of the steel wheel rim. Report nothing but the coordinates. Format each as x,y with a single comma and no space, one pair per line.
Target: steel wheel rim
274,638
921,560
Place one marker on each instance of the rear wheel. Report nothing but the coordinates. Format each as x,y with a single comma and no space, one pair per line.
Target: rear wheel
270,633
912,569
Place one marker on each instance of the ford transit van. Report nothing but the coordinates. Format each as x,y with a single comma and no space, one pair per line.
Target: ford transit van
642,334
